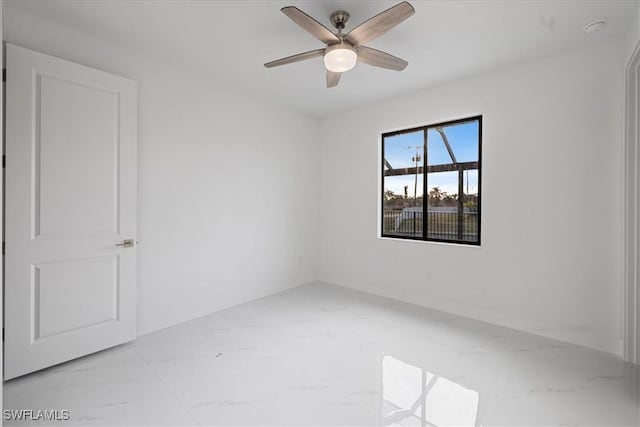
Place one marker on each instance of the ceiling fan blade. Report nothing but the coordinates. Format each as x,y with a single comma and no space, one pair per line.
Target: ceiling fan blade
333,78
295,58
309,24
380,24
381,59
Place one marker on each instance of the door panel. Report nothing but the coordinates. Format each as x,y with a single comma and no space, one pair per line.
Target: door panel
90,134
71,143
55,315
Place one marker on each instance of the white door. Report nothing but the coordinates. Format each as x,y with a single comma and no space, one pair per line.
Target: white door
71,169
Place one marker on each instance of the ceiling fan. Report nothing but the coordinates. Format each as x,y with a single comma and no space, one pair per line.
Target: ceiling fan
343,51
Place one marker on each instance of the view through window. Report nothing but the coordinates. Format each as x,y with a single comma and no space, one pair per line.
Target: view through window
444,159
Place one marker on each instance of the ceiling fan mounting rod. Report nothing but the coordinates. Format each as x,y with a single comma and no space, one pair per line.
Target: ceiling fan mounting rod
339,19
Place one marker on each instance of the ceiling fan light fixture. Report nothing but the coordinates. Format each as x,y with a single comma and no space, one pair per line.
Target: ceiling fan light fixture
340,57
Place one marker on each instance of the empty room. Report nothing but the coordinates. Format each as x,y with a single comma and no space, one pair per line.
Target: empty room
321,213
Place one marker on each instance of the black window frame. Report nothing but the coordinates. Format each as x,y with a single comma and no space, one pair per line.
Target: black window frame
425,198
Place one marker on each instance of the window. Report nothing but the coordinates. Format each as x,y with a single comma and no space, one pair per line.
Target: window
431,182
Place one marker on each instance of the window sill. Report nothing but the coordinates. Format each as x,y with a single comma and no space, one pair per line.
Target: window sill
435,242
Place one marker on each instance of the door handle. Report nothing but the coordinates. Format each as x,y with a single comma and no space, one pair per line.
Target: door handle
128,243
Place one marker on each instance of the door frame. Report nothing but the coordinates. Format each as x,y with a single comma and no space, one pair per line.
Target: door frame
631,223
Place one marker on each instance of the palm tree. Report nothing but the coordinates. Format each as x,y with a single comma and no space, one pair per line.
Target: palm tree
435,196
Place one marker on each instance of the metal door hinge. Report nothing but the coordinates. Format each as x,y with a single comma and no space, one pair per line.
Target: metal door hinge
4,161
2,248
4,74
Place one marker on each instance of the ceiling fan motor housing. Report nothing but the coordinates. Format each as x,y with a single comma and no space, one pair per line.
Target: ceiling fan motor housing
339,19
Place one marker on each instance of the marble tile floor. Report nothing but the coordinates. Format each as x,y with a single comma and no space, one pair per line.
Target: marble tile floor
326,355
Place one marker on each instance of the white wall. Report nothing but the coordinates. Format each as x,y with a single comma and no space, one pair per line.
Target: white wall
550,261
2,199
228,182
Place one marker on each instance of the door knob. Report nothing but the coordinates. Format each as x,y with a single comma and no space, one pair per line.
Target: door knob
128,243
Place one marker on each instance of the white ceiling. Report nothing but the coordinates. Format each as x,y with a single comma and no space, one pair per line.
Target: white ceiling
444,40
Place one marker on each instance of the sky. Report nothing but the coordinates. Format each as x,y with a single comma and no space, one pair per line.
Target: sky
401,149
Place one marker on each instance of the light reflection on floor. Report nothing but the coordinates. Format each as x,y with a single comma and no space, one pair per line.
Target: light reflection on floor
414,397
